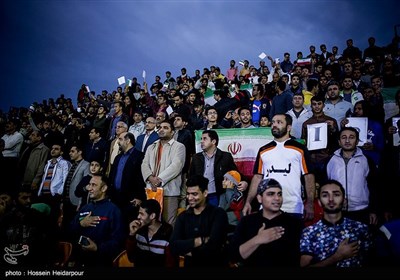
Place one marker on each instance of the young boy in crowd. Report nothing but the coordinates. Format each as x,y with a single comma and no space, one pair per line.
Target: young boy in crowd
232,199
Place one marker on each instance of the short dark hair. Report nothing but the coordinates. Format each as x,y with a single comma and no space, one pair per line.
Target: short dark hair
213,135
210,108
103,178
183,117
331,182
298,93
121,104
131,138
350,128
198,180
244,108
170,122
317,98
152,206
288,118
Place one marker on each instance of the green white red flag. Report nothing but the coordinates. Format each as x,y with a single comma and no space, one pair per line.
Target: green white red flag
243,144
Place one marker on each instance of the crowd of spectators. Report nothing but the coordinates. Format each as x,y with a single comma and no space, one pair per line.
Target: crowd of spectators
50,147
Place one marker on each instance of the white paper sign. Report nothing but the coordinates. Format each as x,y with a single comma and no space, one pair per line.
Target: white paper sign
396,136
87,89
361,124
317,136
262,55
144,74
121,80
169,110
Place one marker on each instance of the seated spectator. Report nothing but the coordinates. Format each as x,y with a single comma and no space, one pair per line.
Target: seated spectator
148,241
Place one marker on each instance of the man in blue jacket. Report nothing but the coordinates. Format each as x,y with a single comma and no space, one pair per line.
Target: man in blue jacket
97,228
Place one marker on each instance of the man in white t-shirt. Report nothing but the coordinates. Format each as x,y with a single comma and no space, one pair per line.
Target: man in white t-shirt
285,160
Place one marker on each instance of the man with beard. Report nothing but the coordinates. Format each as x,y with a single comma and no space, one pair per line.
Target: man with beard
335,240
286,161
162,168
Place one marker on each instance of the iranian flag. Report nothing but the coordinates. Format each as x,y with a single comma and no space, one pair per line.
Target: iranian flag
248,87
243,144
303,62
209,97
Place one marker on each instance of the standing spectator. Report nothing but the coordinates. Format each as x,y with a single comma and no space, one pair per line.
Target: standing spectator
114,147
129,107
137,128
126,186
374,52
376,99
245,71
348,93
374,145
100,223
335,240
149,136
312,89
183,78
82,94
81,189
33,159
295,85
259,104
13,141
180,107
78,170
335,106
269,237
299,114
101,121
53,181
97,147
184,136
117,116
162,167
200,232
169,81
282,101
197,117
286,64
357,174
351,52
213,163
211,115
320,157
224,103
245,118
232,72
286,161
325,55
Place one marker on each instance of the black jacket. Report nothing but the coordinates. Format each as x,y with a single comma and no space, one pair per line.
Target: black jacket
223,163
